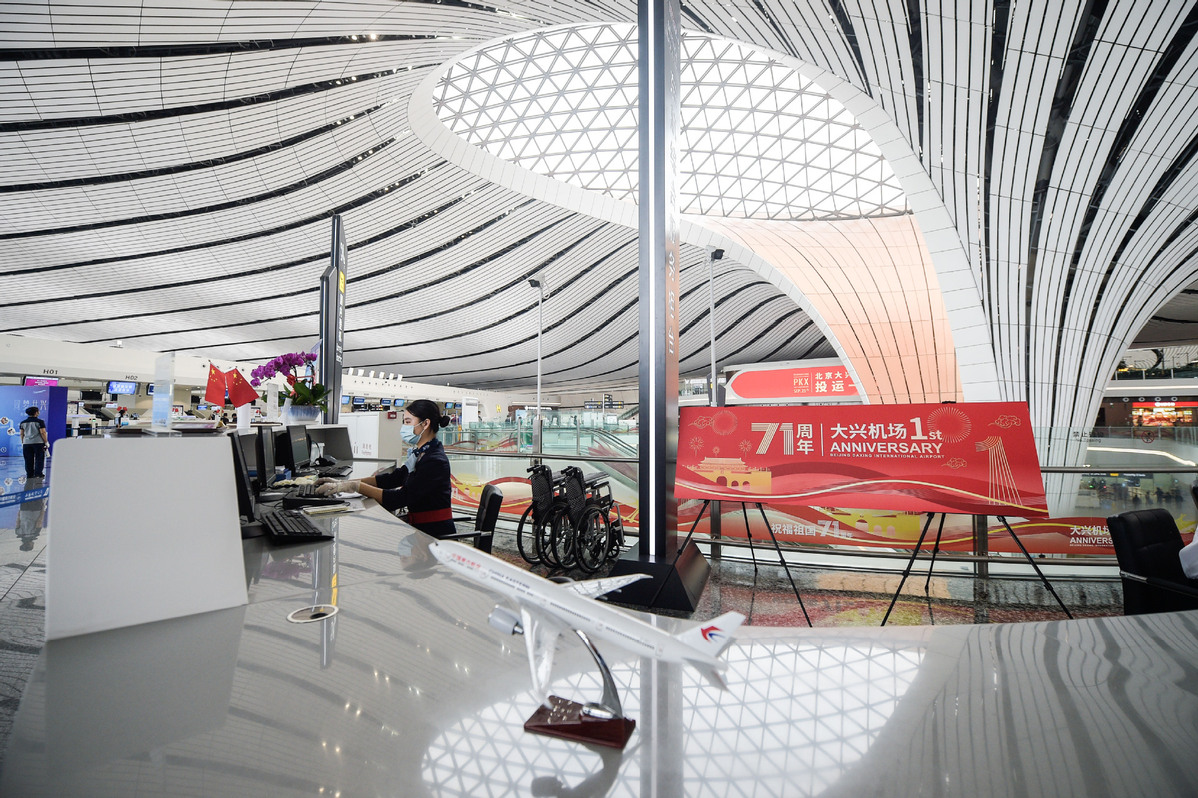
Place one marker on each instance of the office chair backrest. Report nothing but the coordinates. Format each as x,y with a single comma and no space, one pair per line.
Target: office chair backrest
488,509
1147,543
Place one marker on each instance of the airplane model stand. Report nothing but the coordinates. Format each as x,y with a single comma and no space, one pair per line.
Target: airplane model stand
936,550
598,723
752,552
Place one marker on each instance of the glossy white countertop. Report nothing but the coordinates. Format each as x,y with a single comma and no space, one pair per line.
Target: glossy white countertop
408,691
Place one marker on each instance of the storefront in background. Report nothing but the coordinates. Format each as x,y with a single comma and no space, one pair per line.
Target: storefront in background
1163,414
1147,411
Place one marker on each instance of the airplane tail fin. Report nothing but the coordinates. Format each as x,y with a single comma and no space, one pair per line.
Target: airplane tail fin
712,637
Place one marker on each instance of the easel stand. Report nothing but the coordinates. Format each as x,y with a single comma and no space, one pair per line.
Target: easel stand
1036,568
752,551
936,550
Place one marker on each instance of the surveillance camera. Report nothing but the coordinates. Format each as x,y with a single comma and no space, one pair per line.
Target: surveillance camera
534,282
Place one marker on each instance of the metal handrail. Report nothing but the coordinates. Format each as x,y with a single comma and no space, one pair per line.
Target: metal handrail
543,456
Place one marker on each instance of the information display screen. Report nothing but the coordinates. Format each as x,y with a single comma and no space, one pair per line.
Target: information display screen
122,387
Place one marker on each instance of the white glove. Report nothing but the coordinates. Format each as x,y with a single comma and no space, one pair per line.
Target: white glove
326,481
333,486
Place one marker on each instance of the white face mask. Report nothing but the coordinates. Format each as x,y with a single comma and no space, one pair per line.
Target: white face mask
408,434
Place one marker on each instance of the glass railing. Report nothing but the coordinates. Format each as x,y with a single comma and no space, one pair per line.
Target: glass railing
1188,372
615,440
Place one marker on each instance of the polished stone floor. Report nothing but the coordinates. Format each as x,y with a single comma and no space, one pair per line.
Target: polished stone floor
832,597
22,583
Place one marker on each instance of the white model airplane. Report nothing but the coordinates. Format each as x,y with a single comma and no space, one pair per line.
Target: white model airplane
549,609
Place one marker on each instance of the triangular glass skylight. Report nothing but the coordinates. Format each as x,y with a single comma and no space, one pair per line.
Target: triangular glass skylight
756,135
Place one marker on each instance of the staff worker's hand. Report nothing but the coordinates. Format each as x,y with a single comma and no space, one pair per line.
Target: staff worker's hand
329,488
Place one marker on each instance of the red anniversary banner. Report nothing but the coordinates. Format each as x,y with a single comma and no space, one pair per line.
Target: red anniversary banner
957,458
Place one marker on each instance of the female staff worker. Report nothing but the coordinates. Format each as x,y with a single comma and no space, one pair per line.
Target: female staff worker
421,484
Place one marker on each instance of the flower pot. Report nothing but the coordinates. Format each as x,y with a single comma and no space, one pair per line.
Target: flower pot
300,415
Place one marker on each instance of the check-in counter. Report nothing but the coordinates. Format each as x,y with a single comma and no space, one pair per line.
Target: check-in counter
406,690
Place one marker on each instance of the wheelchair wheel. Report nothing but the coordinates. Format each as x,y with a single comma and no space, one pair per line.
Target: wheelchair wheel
616,538
545,537
562,541
527,539
593,540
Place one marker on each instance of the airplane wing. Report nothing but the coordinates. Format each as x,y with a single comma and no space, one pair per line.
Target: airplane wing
592,588
540,637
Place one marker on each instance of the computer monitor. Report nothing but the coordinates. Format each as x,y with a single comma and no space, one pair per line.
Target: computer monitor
398,402
334,442
300,458
385,403
344,400
359,400
248,443
241,476
282,448
265,448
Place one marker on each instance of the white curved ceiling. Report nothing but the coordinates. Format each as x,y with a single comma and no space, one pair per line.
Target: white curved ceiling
170,171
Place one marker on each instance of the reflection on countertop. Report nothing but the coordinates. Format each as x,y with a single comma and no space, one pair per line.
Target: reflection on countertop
420,696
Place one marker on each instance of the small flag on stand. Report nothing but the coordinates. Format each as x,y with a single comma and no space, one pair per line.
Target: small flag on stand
215,392
240,391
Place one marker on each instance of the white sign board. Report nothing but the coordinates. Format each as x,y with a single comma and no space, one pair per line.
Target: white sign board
163,543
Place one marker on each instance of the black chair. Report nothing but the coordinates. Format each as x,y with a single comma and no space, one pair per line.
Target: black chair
484,520
1147,543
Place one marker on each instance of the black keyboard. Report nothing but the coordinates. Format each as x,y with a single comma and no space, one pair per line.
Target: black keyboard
336,471
290,526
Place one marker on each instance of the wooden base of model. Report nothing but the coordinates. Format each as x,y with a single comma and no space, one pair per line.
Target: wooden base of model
580,723
600,723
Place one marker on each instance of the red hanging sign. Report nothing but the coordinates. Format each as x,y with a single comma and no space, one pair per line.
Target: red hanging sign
958,458
808,383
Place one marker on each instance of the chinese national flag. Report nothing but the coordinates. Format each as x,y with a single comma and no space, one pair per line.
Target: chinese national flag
240,391
215,392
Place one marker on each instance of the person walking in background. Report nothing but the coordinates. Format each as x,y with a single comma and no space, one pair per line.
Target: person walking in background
34,444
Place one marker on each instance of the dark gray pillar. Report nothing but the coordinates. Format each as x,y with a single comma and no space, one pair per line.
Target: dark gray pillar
660,43
332,322
678,577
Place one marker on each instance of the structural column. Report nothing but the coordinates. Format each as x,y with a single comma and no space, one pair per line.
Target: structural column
678,576
660,43
332,321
